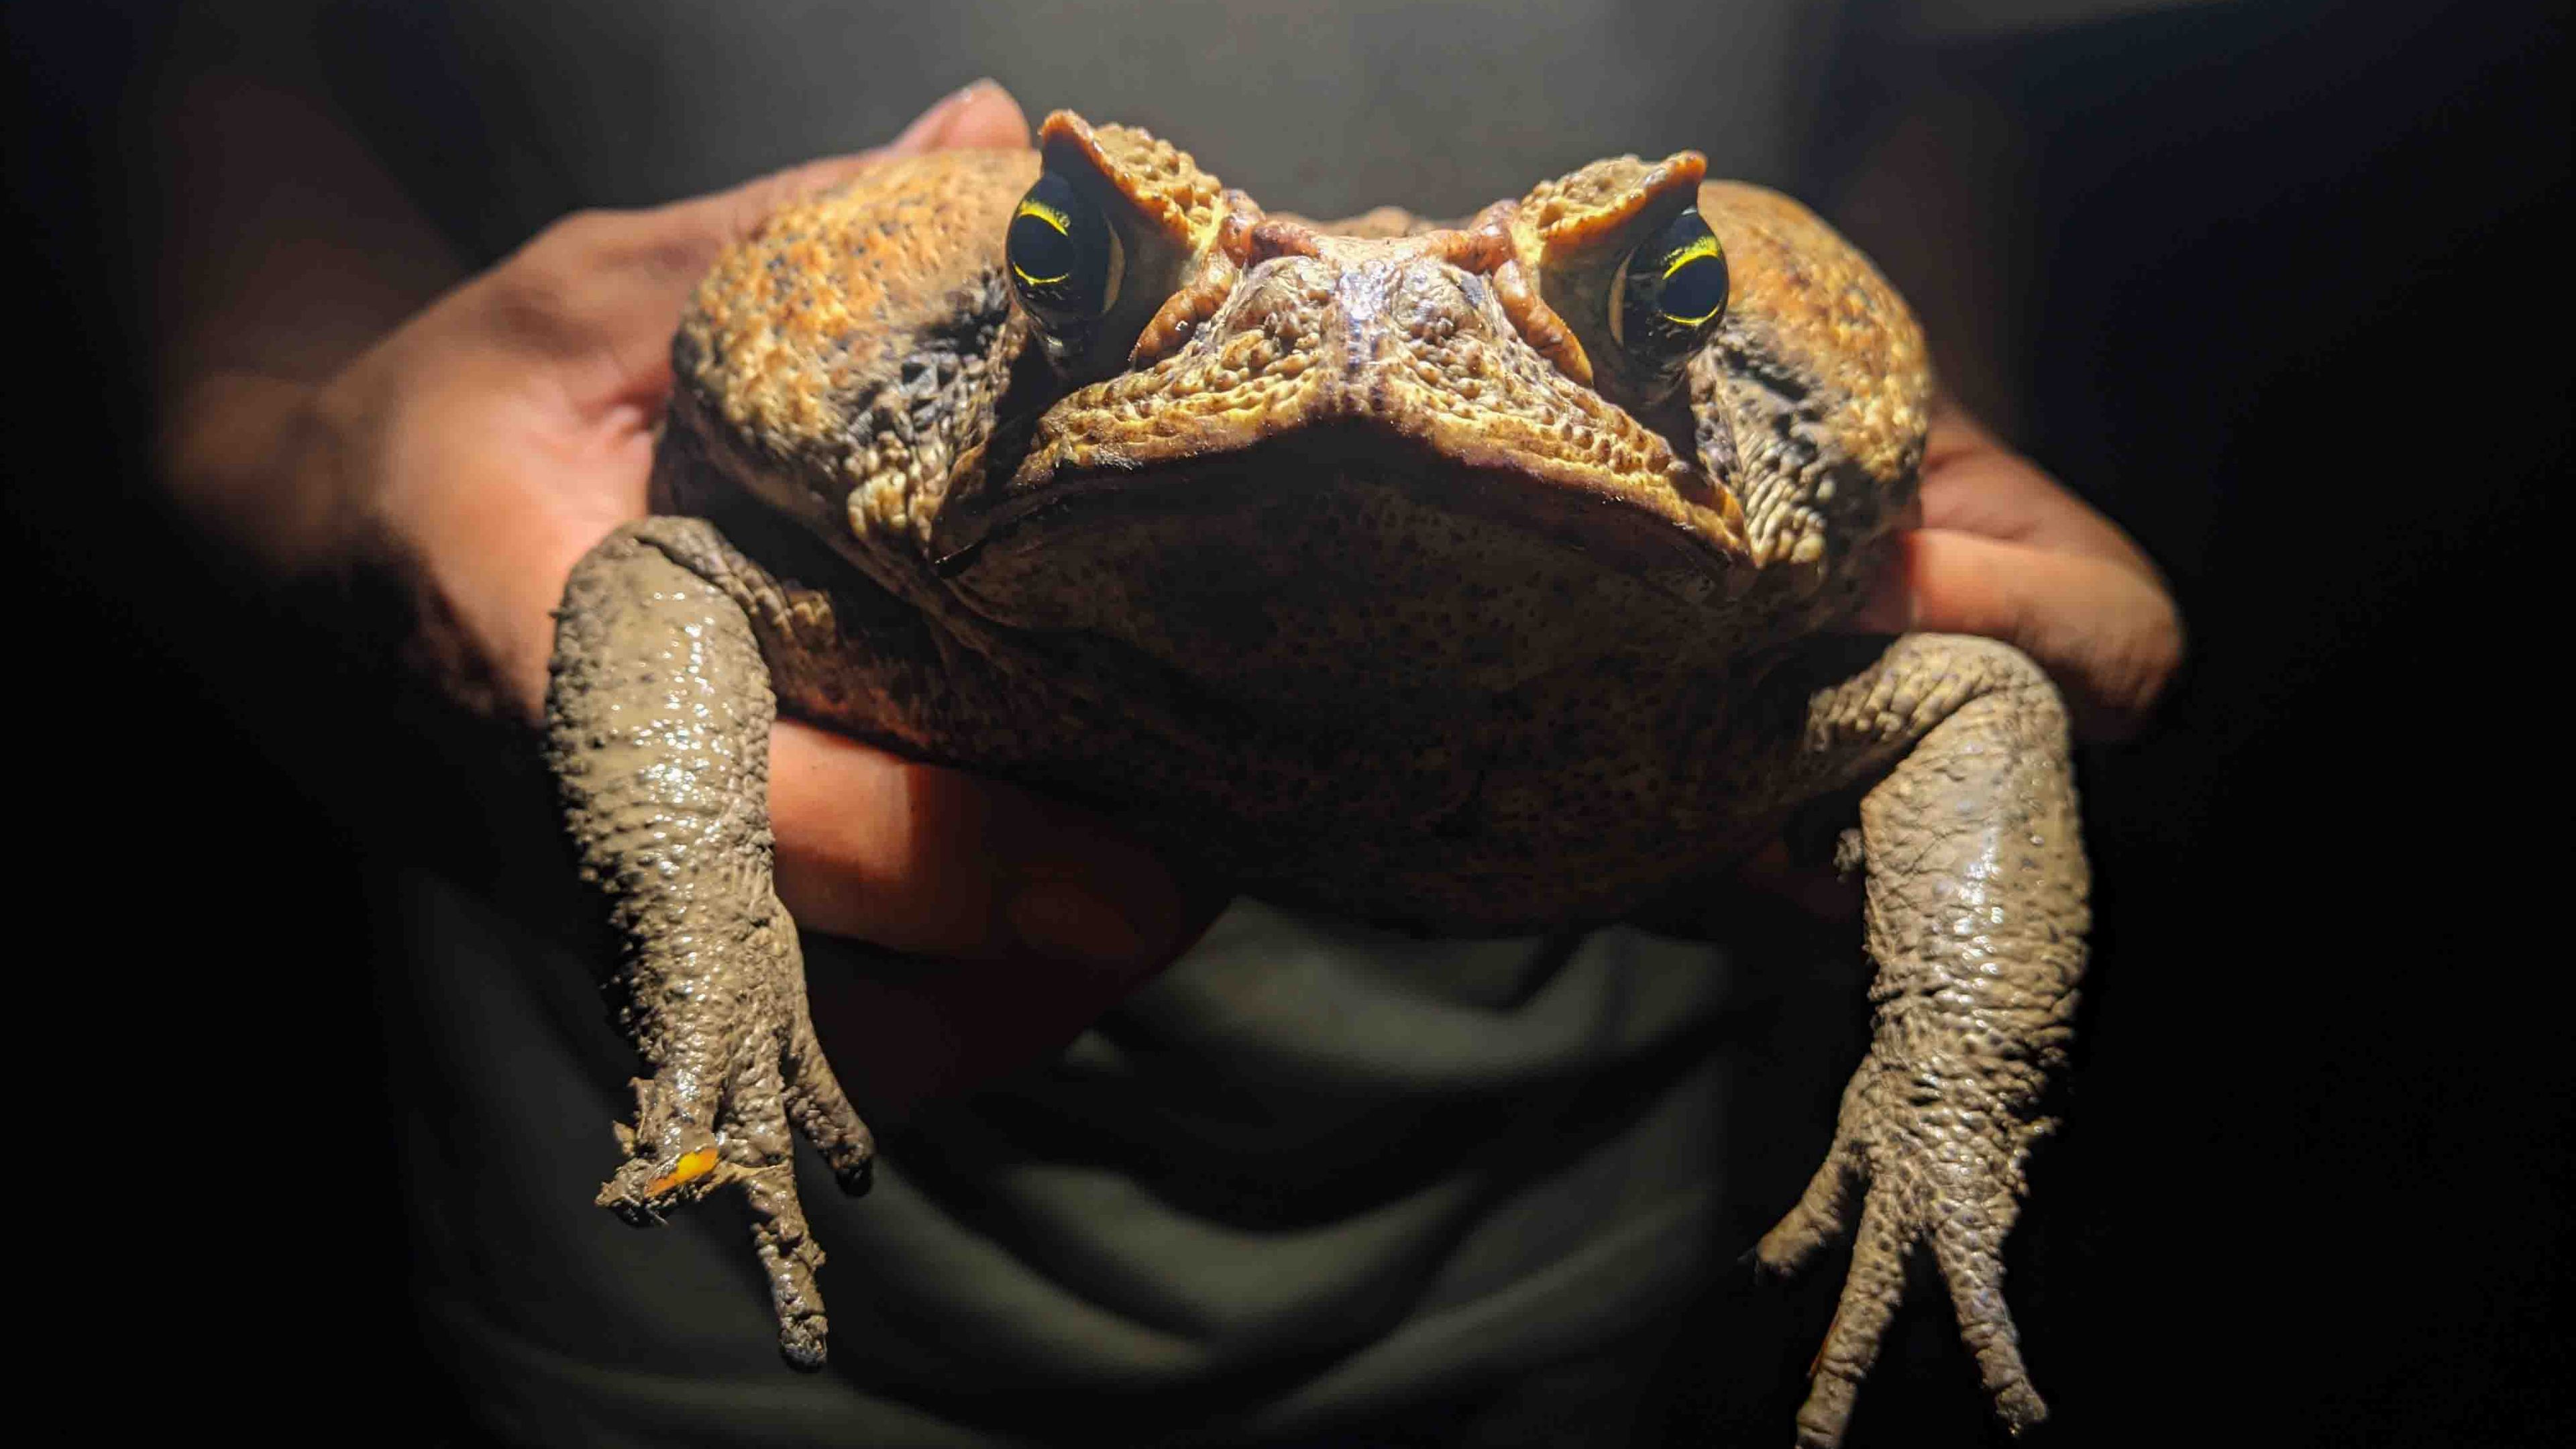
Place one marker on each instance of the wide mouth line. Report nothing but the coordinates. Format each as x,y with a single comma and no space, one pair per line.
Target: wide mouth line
1603,523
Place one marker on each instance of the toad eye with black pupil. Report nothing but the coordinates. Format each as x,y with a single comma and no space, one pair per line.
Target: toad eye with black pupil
1671,292
1063,256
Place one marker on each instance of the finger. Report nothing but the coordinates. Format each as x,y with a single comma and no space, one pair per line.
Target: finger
627,276
1968,1249
937,862
1042,916
978,117
1972,484
1871,1293
2110,638
986,117
900,1033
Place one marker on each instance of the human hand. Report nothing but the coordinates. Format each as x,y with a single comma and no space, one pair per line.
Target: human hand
1995,547
482,448
2001,549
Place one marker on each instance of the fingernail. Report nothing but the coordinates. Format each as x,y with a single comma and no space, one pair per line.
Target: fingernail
1064,921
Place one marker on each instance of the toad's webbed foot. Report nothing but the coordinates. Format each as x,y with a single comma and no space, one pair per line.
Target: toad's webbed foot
1923,1173
1976,917
693,1136
658,724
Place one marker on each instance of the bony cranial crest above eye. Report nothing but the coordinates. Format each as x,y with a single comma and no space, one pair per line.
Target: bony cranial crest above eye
1622,256
1118,225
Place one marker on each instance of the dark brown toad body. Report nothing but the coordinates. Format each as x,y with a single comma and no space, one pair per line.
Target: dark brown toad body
1466,577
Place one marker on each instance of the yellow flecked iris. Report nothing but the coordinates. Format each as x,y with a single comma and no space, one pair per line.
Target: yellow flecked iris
690,1167
1703,245
1063,227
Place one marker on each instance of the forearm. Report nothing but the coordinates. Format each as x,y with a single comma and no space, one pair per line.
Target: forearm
285,252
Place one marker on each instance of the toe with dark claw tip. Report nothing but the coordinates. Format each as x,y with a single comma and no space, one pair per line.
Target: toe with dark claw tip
804,1345
855,1180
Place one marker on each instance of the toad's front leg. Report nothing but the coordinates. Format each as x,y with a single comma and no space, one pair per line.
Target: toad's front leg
1976,914
658,725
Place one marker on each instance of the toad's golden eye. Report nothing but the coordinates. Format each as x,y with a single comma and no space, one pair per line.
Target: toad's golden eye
1064,257
1671,292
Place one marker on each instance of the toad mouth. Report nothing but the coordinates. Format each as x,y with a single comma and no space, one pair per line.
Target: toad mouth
1652,530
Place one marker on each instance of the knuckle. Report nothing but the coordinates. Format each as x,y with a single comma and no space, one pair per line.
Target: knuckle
545,293
2130,674
656,241
524,298
2166,643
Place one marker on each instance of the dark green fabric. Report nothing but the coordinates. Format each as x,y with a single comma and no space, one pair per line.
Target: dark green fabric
1313,1176
1305,1166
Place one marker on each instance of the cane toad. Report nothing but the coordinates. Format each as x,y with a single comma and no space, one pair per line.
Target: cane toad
1472,577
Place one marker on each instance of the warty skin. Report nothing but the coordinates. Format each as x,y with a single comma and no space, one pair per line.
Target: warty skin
1361,562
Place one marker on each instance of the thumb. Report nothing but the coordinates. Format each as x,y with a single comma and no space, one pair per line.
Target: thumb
978,117
660,254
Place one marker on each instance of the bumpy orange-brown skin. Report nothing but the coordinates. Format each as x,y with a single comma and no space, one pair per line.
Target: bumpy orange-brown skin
1330,572
1360,563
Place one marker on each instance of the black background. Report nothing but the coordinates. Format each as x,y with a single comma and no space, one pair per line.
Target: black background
2296,318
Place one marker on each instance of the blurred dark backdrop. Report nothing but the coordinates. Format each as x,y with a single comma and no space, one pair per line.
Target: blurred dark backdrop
2288,305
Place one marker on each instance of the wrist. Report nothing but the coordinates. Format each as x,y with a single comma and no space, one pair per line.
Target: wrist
233,457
